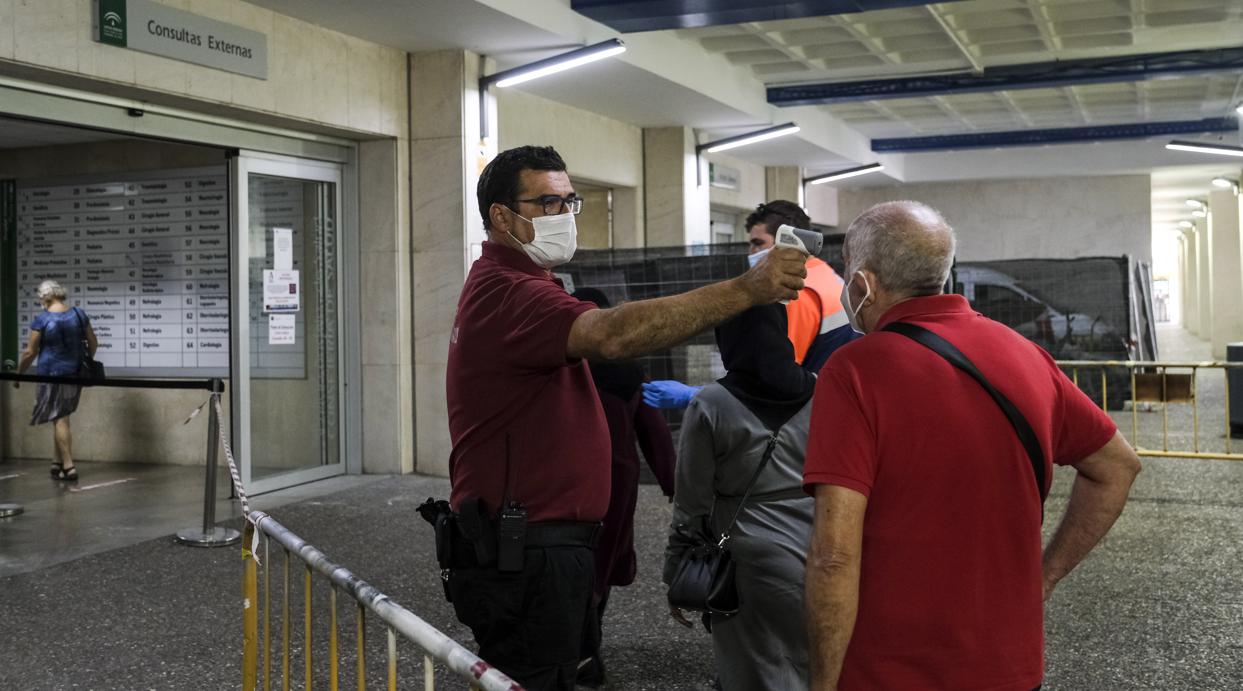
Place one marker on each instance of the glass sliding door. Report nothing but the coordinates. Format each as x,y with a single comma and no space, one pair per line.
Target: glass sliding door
287,326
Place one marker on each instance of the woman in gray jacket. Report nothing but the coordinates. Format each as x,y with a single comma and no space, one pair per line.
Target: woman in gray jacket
724,434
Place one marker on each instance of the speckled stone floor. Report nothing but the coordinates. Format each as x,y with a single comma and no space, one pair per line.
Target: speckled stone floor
1158,605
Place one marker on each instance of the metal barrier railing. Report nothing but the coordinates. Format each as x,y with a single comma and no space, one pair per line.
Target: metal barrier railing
437,646
1153,384
399,620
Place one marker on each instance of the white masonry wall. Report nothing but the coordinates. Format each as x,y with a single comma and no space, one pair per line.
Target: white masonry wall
1017,219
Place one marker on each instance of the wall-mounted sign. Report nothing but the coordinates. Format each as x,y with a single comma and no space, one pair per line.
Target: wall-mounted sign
172,33
281,292
724,177
282,329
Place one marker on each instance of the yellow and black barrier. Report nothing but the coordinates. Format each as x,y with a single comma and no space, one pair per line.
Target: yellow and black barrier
1171,388
259,533
257,650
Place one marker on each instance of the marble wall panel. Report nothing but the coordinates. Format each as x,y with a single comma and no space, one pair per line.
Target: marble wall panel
381,418
46,32
1045,217
7,28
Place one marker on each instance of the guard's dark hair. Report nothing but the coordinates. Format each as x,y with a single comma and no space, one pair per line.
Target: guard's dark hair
777,212
498,184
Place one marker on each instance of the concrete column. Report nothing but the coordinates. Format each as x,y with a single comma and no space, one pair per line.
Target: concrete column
1189,291
676,205
387,344
1204,270
821,205
446,156
627,217
784,182
1227,261
1183,282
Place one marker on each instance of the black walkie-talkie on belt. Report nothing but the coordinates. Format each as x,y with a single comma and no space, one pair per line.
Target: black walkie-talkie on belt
511,537
511,527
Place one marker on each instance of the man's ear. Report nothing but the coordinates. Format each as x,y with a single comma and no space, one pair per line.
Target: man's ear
873,284
500,219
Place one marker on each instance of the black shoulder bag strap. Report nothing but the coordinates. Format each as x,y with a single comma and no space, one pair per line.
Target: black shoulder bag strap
768,454
82,337
947,350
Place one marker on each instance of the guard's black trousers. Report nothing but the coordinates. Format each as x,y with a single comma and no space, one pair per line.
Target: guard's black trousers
531,624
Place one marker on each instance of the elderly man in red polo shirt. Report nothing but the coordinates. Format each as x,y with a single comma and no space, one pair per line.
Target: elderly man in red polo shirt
925,569
530,466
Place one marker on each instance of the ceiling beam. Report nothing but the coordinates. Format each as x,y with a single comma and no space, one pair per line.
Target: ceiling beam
628,16
1129,68
1063,135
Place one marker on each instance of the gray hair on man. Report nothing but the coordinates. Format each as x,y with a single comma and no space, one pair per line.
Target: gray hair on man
907,244
51,290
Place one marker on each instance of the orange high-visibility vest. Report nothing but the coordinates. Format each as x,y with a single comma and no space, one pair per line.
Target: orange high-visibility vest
818,308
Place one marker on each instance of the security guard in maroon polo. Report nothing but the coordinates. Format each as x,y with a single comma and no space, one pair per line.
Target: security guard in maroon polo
530,461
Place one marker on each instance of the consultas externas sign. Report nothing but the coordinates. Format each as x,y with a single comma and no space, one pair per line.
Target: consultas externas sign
172,33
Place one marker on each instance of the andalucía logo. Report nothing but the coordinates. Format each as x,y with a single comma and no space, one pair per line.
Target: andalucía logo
112,22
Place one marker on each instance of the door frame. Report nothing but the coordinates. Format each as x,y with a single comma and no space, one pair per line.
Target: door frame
241,166
41,101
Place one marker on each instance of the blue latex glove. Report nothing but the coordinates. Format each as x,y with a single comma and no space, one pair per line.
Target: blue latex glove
668,394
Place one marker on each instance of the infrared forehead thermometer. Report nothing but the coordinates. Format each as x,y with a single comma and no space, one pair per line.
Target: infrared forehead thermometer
809,242
806,241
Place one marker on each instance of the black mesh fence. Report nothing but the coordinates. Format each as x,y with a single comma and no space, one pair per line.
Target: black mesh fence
640,274
1077,309
643,273
1095,308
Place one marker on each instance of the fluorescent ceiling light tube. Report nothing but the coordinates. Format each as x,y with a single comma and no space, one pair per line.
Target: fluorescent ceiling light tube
1195,203
749,138
1186,224
1224,182
557,63
1239,110
1201,148
843,174
1199,213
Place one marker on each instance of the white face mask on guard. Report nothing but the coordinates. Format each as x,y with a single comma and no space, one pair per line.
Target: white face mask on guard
556,239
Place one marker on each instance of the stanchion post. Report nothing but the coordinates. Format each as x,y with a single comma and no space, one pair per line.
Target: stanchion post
8,509
210,535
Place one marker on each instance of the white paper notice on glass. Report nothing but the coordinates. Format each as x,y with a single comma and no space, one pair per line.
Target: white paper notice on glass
281,292
281,329
282,249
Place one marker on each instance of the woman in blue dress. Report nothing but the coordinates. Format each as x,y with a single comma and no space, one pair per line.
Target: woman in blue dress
59,338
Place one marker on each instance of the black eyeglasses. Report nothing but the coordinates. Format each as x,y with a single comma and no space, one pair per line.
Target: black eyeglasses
554,205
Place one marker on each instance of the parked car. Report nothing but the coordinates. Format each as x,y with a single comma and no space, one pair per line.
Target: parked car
1066,334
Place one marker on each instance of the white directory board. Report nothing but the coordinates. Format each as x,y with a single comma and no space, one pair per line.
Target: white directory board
146,255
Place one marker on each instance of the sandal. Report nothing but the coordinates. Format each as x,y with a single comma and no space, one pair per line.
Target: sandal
57,469
63,475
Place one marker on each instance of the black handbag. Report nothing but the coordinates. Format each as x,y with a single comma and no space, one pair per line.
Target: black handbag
90,367
947,350
705,577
